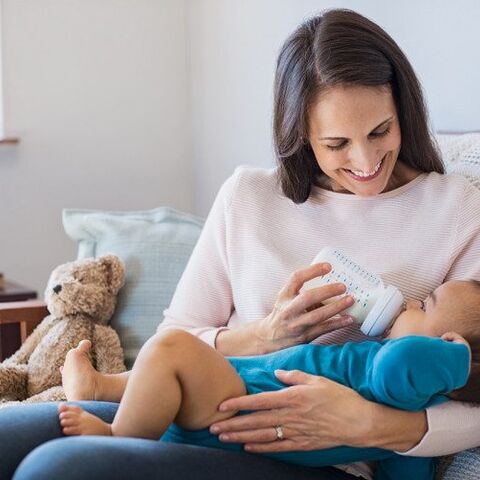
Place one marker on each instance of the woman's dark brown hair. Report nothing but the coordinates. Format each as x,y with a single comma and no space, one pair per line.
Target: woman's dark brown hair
341,47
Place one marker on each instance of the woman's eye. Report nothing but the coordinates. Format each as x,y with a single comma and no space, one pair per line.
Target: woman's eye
382,133
337,147
422,305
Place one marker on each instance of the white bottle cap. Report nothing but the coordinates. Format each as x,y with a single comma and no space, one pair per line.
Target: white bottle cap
383,312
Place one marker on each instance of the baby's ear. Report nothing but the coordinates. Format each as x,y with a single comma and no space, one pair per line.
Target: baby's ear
115,271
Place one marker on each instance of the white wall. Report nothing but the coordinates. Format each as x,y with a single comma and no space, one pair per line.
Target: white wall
233,47
97,92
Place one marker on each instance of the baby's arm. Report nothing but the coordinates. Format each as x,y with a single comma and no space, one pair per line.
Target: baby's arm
408,372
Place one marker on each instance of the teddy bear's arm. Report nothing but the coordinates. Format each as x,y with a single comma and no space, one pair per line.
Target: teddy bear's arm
108,351
13,382
22,355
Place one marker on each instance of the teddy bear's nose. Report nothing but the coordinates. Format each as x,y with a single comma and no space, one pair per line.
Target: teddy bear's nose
57,288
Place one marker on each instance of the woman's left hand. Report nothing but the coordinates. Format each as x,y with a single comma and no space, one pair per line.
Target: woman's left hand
313,413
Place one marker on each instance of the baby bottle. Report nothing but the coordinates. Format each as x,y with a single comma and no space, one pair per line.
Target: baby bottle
375,307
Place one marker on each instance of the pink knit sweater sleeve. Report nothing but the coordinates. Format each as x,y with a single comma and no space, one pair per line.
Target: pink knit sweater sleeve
452,427
202,303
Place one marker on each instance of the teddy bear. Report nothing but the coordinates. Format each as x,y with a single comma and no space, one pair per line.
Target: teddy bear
81,297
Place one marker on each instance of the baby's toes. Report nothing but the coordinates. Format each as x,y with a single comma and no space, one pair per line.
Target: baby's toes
74,416
63,415
72,430
67,422
71,409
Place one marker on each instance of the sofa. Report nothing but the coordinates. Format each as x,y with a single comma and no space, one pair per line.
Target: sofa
156,245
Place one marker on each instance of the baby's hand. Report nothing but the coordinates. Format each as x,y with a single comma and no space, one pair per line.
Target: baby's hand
457,338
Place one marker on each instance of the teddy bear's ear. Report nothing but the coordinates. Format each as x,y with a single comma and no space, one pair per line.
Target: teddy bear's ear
115,271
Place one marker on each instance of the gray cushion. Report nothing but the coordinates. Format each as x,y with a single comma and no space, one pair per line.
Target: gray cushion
155,246
462,466
461,154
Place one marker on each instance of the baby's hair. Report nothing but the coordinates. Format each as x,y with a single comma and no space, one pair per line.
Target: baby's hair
473,310
471,391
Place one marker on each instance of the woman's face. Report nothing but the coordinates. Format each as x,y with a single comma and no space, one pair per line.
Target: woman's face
355,135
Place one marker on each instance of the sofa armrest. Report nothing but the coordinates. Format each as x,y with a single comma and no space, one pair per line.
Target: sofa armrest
28,314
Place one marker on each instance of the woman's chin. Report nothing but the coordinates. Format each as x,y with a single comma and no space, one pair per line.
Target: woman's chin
362,189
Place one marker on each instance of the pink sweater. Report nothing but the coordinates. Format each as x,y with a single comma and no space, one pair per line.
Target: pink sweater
415,237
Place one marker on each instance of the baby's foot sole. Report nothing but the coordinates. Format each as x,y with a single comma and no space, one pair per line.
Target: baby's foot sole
79,378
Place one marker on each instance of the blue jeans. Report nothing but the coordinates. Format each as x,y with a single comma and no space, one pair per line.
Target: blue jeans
32,446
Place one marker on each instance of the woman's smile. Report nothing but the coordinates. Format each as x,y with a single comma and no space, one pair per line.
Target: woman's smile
366,176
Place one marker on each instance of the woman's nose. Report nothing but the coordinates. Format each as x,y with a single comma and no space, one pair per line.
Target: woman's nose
364,158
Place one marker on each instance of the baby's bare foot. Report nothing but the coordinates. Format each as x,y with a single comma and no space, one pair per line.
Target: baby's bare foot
79,378
76,421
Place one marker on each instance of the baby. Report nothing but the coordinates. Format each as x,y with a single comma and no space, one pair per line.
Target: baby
179,379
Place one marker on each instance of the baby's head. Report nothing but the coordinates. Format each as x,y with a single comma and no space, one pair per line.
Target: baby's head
453,306
451,311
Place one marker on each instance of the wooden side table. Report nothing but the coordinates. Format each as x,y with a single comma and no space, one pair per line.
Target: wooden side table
17,319
16,293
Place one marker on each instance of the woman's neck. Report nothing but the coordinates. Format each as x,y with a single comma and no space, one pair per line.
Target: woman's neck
401,175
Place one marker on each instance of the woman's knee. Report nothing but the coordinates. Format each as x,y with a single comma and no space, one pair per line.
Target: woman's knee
57,459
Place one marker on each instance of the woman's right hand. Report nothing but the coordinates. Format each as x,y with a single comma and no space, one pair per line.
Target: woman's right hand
300,317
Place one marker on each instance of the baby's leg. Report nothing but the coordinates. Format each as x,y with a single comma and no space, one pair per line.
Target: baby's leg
176,377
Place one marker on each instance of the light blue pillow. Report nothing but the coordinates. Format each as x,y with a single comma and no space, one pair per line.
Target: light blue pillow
155,246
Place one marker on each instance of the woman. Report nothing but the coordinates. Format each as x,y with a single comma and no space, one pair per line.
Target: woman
358,170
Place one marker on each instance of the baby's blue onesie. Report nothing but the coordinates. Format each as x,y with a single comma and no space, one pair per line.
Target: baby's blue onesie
409,373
